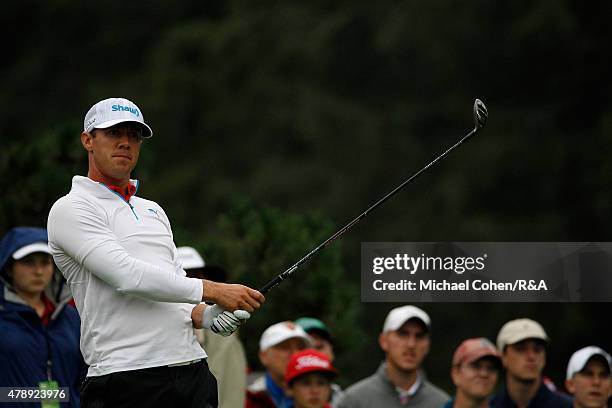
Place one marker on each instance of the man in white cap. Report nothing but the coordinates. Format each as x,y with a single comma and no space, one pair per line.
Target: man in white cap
588,377
117,253
276,346
399,381
522,343
475,370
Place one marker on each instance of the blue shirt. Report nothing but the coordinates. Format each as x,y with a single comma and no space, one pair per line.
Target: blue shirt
278,394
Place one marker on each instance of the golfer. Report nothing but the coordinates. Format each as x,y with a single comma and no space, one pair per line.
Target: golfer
117,254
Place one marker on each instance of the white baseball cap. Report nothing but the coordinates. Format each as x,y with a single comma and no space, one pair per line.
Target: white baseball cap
279,332
400,315
518,330
30,249
111,111
580,359
190,258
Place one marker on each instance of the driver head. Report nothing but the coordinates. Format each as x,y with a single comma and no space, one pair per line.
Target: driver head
480,114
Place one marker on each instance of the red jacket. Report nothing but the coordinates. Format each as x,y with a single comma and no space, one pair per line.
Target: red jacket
257,395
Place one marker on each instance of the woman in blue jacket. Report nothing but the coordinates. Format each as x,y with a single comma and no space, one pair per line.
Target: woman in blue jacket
39,328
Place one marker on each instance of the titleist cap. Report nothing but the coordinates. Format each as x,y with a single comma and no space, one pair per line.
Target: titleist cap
309,361
112,111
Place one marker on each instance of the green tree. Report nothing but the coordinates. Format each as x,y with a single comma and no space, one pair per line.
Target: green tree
38,173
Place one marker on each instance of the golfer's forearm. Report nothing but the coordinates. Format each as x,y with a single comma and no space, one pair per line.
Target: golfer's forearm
210,291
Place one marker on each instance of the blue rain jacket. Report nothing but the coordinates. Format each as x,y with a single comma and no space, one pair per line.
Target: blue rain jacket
26,345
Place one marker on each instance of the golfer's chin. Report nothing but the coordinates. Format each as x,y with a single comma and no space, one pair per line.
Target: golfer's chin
120,171
122,164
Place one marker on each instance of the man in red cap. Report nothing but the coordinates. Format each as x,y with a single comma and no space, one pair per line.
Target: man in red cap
308,379
475,370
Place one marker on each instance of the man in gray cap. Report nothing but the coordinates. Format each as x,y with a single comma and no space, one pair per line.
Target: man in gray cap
137,307
522,343
399,380
588,377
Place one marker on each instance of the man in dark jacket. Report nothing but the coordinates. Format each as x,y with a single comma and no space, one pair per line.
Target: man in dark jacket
39,345
522,343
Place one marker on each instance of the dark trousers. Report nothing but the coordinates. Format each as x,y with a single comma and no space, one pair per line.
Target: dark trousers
187,386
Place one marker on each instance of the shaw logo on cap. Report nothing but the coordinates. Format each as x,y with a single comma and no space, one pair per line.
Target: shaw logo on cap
134,111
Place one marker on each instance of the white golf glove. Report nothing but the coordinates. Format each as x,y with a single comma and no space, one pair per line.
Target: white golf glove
221,321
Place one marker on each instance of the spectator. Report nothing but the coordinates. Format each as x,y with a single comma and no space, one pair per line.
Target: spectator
522,343
226,357
276,346
308,379
399,380
320,335
588,377
323,342
40,331
475,370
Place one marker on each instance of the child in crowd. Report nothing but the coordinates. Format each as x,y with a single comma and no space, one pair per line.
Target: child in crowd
308,377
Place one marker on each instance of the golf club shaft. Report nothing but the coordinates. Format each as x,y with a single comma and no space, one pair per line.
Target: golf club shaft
480,117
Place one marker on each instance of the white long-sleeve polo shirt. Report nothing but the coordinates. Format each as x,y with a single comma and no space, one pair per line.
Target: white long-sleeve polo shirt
121,263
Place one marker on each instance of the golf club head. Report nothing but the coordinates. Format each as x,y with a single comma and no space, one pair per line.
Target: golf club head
480,114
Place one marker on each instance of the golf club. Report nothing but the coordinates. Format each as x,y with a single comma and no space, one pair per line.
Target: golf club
480,120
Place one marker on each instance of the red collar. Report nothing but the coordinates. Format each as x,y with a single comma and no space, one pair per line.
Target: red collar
127,193
49,309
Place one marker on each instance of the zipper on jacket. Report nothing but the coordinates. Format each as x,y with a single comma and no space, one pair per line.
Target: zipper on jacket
122,199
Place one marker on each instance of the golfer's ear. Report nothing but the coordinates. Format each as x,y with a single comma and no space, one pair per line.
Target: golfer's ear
86,141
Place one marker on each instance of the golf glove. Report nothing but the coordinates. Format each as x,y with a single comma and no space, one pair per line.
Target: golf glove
223,322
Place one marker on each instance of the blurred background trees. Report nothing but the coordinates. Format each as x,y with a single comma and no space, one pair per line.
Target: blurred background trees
277,122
